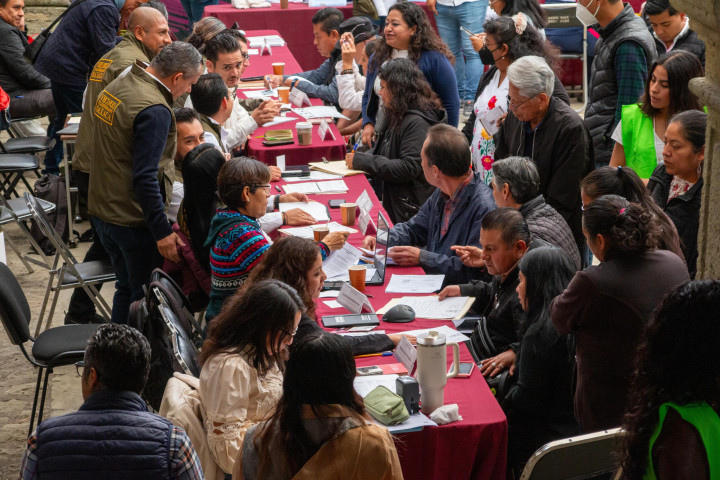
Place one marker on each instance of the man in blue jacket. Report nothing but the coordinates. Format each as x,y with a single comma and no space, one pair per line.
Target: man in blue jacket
451,216
112,435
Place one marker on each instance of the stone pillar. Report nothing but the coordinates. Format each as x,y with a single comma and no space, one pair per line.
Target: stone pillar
705,20
39,14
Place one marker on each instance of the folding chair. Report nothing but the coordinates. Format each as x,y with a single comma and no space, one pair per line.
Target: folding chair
53,348
71,273
585,456
12,170
562,15
16,211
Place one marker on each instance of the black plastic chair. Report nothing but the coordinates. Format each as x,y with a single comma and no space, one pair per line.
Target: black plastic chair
12,170
16,211
53,348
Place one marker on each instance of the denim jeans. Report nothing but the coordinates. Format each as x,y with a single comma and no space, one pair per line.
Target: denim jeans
195,9
67,100
134,255
468,67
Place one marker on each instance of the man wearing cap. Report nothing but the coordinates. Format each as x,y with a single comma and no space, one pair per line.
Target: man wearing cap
321,82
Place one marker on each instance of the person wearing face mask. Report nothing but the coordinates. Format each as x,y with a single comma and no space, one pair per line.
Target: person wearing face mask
638,135
607,306
505,238
676,185
505,40
623,56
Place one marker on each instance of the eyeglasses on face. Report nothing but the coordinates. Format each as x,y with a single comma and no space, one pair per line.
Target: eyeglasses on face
78,366
514,106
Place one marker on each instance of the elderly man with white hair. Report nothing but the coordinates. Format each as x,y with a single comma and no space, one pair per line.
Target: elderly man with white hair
549,132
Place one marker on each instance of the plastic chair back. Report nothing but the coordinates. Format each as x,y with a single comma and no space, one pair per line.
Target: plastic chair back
561,15
14,308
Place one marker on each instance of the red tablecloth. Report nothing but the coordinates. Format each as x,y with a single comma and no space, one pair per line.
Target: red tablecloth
295,154
474,448
294,25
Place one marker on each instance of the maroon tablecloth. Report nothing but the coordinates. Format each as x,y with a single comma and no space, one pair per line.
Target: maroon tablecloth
294,25
295,154
474,448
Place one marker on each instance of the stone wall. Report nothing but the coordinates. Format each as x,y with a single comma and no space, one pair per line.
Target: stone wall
705,20
39,14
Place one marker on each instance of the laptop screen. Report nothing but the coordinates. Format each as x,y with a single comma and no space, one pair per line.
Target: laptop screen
381,245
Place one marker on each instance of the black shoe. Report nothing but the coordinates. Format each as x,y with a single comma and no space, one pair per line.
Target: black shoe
72,320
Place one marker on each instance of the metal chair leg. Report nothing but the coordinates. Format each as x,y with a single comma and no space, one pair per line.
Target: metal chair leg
19,254
48,371
34,407
48,289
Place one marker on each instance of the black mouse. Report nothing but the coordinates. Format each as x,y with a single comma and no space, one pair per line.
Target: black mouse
399,314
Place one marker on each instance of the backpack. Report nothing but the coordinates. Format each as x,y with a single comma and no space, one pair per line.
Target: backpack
165,318
51,188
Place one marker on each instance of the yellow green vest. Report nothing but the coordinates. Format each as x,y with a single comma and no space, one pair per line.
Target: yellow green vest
638,138
706,422
105,71
212,128
111,197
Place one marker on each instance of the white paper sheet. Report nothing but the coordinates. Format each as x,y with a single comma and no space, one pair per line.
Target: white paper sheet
354,300
338,261
307,232
316,209
451,335
333,186
253,51
432,308
314,176
260,94
345,277
332,304
272,40
330,294
280,120
319,111
414,283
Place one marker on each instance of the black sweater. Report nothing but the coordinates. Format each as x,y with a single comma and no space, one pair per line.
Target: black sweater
361,344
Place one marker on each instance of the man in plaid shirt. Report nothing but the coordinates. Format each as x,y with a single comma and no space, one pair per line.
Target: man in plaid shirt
112,434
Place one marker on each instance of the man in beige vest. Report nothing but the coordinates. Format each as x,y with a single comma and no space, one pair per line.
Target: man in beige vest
147,33
132,168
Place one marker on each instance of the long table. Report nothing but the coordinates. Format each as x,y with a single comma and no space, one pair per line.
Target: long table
474,448
295,154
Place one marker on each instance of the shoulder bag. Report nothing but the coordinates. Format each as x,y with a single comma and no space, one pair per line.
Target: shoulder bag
33,49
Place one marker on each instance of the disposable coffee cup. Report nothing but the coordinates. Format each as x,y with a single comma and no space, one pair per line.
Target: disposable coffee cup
357,276
348,213
320,232
284,94
278,68
304,130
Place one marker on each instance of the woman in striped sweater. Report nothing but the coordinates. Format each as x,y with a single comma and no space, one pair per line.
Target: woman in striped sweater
235,239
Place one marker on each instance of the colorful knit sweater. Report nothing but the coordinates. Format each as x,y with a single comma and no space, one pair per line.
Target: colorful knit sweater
236,244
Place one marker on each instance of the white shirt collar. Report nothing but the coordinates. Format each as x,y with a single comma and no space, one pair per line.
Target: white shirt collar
684,30
158,80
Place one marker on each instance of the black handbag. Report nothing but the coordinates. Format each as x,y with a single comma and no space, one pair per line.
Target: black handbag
33,49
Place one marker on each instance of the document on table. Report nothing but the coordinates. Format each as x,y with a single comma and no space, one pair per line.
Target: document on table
336,167
332,186
314,175
272,40
451,335
272,92
316,209
280,119
345,276
338,261
307,232
432,308
319,111
414,283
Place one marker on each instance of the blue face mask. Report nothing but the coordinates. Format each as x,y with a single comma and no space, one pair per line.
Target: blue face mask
119,4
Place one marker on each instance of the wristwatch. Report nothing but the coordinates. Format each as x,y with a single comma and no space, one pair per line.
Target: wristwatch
347,71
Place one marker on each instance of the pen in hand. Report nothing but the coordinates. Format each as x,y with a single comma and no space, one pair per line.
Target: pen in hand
278,189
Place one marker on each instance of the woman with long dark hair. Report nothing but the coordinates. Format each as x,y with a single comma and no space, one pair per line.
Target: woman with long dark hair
623,181
530,8
409,34
539,407
639,134
320,428
607,306
672,421
505,40
411,108
676,184
242,361
297,262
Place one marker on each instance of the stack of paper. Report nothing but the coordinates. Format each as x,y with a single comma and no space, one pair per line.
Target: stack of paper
337,262
335,186
314,176
272,40
307,232
316,209
432,308
337,168
319,111
414,283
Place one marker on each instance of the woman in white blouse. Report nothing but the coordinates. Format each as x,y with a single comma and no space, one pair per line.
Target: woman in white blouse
242,362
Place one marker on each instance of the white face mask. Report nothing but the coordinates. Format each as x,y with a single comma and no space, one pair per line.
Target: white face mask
584,15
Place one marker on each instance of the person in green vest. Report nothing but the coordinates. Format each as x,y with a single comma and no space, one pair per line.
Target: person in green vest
672,422
211,99
147,34
639,136
132,170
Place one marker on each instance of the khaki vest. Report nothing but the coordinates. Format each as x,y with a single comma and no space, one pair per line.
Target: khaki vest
111,197
212,128
105,71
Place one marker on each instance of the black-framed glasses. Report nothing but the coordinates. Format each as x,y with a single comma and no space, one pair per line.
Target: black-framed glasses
266,187
512,105
78,366
245,55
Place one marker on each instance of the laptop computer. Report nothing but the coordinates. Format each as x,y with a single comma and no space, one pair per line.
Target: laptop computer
382,245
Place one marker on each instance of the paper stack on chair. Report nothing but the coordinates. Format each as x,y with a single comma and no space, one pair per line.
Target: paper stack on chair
336,168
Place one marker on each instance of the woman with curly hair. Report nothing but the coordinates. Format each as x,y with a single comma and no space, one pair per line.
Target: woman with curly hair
408,34
672,422
411,108
607,306
320,428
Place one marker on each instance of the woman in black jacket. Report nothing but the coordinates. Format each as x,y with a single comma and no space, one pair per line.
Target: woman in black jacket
539,407
676,185
411,108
